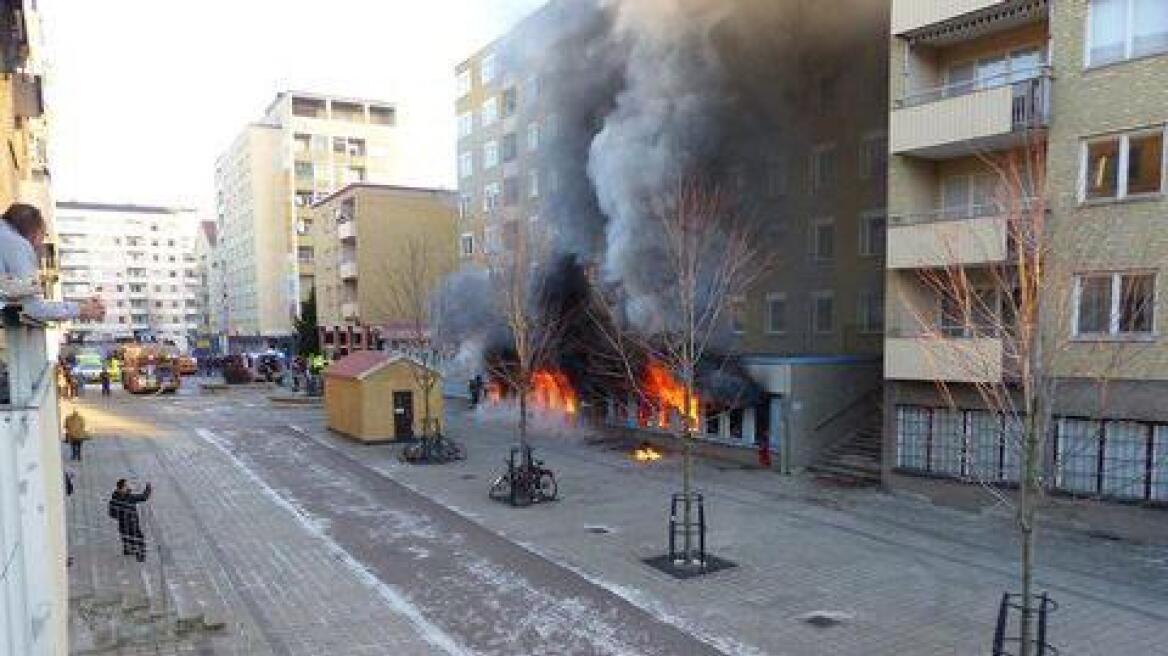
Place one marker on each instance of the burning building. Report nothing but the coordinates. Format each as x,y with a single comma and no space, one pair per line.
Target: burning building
574,122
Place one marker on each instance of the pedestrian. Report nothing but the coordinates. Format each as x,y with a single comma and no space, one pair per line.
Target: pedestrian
75,434
123,506
78,381
105,381
764,450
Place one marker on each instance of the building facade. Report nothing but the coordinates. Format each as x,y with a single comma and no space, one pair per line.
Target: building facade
34,585
380,251
140,261
305,147
208,274
1075,90
804,148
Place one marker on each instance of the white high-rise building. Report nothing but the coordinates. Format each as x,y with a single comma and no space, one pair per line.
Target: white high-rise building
140,261
306,146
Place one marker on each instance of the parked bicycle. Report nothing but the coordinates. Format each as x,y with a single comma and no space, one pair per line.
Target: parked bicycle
526,480
435,449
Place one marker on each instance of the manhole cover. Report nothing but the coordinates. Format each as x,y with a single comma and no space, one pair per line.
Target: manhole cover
469,477
825,619
599,530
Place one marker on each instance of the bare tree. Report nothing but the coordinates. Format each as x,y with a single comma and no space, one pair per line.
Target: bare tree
533,335
1024,299
411,277
710,259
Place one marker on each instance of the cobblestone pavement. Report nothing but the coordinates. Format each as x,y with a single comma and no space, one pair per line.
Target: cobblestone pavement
904,576
230,554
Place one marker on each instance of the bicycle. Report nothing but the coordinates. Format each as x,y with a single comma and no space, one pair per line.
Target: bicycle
524,483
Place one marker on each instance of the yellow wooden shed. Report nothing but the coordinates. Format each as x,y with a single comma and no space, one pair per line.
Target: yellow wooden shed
373,396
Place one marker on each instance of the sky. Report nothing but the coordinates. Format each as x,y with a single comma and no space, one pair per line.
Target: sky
143,95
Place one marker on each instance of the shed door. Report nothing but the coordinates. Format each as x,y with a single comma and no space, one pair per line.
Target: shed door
403,414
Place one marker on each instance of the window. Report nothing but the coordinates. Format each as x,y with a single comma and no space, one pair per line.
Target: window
822,312
304,171
494,240
874,157
533,136
302,143
465,124
462,83
967,196
533,184
531,90
737,315
490,154
1115,304
466,244
511,191
510,101
872,231
490,110
776,313
994,70
466,164
823,241
356,147
822,168
340,145
464,206
491,195
870,312
489,68
1125,29
510,147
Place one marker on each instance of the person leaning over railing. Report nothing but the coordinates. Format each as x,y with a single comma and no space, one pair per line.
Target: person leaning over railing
22,236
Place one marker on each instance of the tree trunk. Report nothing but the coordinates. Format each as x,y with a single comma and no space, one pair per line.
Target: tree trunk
523,419
1027,500
687,469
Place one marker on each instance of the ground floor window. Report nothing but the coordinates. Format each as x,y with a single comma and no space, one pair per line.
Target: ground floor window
975,445
1115,458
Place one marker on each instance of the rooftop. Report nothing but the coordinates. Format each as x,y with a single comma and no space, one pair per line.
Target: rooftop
121,207
354,186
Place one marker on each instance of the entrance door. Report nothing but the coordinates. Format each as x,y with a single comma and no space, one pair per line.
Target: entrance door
403,414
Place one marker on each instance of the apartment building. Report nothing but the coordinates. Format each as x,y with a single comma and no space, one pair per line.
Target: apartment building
1081,83
140,261
807,150
33,585
207,268
24,172
380,250
305,147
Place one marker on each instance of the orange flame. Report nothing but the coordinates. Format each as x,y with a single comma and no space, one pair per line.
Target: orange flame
667,394
551,390
646,453
494,391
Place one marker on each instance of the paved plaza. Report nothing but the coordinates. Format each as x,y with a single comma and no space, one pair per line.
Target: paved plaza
271,535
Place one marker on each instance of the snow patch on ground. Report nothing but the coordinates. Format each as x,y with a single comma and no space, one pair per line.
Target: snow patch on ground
654,607
431,633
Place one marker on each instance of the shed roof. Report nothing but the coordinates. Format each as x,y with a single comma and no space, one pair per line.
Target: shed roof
362,364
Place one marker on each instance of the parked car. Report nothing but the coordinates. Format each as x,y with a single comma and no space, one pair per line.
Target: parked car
188,365
89,366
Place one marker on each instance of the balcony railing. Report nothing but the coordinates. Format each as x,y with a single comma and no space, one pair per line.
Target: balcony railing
959,119
956,213
1025,80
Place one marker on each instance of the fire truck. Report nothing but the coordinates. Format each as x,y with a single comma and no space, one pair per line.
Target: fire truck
150,368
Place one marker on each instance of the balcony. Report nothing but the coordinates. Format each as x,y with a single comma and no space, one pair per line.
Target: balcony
940,238
349,311
348,270
32,505
937,358
942,22
347,231
960,120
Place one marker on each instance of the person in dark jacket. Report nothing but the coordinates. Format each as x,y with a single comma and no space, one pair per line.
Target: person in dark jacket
123,506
